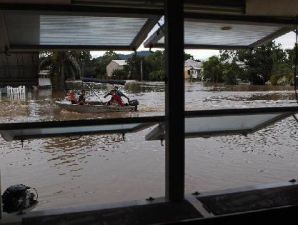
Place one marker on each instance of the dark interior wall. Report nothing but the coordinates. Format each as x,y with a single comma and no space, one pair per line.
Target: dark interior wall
3,34
19,69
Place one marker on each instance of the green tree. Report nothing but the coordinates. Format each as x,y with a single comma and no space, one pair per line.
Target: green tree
282,74
120,74
90,68
157,75
84,59
213,70
102,62
231,71
259,61
291,59
62,65
228,55
134,66
154,66
188,56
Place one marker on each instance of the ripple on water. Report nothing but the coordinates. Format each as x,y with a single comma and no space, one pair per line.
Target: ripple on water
73,152
67,167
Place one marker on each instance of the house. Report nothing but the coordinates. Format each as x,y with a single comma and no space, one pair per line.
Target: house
44,80
192,69
122,24
115,65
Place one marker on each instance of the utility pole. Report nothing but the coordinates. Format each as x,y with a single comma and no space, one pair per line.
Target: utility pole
141,70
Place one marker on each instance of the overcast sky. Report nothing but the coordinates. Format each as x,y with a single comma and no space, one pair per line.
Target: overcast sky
286,41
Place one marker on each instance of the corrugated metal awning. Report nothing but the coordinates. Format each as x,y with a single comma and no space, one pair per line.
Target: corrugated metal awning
225,32
35,32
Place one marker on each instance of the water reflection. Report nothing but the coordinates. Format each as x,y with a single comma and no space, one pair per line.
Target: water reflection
105,168
140,87
72,153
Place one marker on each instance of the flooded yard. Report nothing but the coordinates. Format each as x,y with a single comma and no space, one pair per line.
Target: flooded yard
105,168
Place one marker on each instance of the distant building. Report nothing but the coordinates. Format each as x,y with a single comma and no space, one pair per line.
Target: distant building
115,65
192,69
44,80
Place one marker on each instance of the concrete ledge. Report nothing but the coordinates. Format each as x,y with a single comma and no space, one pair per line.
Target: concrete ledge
157,211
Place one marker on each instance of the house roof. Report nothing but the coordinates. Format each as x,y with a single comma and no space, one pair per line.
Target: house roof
192,63
120,62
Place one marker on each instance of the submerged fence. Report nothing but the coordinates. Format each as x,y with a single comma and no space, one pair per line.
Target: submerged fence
16,92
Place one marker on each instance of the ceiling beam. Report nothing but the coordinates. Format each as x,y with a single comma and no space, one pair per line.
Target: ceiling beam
272,36
141,36
30,48
77,10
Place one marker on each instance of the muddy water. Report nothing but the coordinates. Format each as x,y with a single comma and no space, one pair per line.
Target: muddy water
101,169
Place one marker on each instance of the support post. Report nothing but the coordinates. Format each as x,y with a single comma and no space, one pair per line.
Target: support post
174,105
0,197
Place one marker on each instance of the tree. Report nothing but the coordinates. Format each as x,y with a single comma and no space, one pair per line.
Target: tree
62,64
291,58
157,75
213,70
102,62
134,66
188,56
84,59
154,66
260,60
282,73
231,71
120,74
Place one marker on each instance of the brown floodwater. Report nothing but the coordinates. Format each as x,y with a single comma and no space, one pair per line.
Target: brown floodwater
105,168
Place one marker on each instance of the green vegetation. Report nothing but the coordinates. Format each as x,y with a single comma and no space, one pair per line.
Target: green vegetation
120,74
64,65
99,64
267,63
264,64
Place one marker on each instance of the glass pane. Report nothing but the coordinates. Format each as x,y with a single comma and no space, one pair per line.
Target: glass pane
64,131
215,125
226,123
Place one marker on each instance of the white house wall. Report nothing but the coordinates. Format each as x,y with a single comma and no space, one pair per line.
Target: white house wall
111,67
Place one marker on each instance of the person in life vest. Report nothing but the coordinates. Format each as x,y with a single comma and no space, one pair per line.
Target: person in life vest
116,91
72,97
82,98
120,93
115,99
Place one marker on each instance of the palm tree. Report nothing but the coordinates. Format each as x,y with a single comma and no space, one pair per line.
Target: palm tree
63,64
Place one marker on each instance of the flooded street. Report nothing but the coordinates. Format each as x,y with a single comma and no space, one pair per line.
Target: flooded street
105,168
